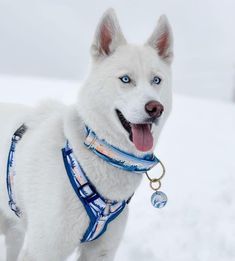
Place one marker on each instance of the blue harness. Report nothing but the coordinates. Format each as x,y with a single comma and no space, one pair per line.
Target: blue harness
101,211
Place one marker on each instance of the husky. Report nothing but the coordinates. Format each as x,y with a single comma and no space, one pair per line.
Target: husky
125,100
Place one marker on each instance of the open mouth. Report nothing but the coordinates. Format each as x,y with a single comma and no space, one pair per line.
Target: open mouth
140,134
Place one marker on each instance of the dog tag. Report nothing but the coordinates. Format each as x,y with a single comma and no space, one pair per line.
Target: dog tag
159,199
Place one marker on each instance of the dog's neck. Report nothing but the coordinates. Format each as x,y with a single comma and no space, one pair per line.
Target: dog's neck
104,176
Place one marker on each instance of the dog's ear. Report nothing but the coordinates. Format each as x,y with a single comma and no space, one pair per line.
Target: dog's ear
108,35
162,40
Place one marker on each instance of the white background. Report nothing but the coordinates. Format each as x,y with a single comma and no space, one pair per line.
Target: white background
51,38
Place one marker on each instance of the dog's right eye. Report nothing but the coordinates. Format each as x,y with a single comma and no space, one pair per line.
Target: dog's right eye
125,79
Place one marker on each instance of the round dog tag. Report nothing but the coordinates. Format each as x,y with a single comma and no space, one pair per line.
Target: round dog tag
159,199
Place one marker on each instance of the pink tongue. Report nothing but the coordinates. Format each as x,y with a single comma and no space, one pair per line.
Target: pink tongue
142,136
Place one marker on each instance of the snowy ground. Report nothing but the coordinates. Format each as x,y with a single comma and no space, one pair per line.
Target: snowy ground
197,147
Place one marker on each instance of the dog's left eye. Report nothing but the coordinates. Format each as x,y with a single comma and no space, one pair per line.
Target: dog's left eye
125,79
156,80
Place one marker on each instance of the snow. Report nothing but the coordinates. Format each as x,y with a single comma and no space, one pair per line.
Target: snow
198,150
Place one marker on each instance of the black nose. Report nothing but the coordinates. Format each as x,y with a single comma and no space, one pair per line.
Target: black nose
154,109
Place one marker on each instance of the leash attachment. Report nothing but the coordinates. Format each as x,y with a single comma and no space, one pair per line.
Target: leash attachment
158,198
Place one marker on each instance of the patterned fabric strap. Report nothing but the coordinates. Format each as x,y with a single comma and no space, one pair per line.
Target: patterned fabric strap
100,211
11,169
117,157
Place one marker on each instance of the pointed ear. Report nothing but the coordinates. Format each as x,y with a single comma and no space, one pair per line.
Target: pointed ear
108,35
162,40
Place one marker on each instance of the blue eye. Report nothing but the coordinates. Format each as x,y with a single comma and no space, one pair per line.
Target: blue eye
125,79
156,80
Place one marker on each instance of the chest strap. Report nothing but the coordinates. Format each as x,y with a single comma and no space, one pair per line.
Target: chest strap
101,211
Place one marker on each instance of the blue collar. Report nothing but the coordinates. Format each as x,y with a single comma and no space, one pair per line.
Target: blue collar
118,158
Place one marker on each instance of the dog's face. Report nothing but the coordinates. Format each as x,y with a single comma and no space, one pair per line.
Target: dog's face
128,92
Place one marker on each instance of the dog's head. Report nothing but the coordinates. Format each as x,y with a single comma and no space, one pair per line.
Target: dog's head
127,96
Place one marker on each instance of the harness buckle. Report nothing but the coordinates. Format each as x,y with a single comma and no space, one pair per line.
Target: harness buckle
92,195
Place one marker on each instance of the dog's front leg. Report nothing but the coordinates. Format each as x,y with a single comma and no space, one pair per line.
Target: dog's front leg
104,248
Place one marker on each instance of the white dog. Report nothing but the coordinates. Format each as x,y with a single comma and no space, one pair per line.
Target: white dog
122,101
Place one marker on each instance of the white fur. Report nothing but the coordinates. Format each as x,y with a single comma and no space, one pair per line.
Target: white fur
54,219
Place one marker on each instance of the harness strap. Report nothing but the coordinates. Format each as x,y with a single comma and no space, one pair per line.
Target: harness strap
100,211
11,169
